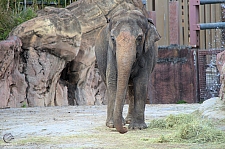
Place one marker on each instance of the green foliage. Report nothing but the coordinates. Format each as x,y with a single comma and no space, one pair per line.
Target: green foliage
181,102
9,20
188,128
23,16
13,13
24,105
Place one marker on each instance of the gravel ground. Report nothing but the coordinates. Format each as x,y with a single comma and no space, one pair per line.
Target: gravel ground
62,122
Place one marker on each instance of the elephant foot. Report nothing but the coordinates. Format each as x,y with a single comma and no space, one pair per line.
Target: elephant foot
136,125
110,123
128,119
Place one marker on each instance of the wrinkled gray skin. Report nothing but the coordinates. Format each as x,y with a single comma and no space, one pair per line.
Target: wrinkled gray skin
126,54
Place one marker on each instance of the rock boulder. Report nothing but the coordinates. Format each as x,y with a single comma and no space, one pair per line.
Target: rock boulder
49,42
12,81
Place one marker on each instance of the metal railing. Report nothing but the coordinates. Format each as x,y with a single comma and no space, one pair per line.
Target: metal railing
195,27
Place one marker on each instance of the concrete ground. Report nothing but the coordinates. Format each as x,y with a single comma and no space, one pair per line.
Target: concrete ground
64,123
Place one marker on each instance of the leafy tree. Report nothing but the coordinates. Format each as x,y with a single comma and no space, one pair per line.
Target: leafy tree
11,15
15,12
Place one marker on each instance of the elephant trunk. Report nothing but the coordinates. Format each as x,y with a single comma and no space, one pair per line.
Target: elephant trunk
125,57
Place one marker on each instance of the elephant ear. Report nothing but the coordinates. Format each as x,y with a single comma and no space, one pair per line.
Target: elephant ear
152,35
101,46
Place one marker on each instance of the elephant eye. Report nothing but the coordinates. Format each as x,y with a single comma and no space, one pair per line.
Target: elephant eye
113,38
139,38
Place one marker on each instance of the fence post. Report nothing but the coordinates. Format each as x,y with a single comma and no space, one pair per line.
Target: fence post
174,22
194,20
162,21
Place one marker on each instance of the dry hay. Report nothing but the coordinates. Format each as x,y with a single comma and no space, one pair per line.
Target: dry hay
188,128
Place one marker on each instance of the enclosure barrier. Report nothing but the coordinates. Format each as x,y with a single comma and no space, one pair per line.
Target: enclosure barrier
203,2
194,20
219,25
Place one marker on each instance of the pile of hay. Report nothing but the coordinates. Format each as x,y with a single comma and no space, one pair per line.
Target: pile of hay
188,128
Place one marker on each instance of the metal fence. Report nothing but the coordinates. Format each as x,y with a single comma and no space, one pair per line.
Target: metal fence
172,21
209,77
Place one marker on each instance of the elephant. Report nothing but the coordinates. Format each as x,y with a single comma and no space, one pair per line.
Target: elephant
126,53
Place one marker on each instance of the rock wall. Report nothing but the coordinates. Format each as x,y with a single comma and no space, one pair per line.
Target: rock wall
12,81
79,73
50,61
174,76
220,62
47,44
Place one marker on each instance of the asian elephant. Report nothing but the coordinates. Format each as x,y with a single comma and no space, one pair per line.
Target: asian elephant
126,53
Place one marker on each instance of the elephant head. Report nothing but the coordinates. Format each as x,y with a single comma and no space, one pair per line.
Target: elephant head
128,35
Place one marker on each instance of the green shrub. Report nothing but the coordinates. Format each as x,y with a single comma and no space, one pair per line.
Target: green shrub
181,102
9,20
6,23
23,16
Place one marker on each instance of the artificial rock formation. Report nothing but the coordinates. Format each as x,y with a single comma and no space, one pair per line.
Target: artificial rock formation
12,81
54,63
220,62
48,43
80,74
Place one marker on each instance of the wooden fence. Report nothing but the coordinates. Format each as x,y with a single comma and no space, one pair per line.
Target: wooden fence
172,21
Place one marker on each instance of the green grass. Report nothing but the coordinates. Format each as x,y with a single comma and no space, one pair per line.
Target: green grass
188,128
24,105
181,102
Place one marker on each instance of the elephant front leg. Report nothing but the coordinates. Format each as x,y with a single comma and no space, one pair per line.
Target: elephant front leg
111,83
111,95
140,96
131,105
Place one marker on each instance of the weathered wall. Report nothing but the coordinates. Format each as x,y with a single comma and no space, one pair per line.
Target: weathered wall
174,76
220,62
12,81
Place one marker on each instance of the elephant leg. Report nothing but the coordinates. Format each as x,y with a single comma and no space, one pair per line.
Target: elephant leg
110,106
140,96
131,105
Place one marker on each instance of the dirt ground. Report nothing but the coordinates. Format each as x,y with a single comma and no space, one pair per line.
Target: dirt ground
81,127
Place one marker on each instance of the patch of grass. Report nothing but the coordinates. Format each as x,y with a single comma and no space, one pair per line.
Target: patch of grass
181,102
159,123
200,133
24,105
188,128
162,139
